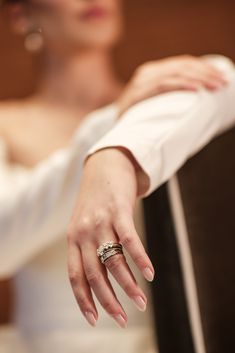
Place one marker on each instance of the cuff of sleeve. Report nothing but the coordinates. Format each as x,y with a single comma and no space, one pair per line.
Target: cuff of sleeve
124,141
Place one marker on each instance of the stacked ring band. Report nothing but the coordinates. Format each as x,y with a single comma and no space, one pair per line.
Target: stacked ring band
108,249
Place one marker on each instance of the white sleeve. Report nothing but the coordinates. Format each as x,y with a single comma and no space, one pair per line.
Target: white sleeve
36,206
34,212
163,132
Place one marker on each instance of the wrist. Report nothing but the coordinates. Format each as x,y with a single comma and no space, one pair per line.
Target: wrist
118,157
123,164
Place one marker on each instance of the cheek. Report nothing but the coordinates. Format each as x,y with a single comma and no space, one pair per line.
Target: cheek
53,16
51,8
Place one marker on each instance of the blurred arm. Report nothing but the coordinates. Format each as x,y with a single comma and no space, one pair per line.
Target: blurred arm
35,206
31,214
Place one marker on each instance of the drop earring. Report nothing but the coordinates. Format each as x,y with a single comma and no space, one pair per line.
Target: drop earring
34,41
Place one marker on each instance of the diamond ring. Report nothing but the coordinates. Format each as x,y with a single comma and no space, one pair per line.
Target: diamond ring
108,249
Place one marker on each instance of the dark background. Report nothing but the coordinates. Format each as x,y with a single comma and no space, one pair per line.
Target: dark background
154,29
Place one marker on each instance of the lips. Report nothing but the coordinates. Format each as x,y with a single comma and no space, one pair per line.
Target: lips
94,13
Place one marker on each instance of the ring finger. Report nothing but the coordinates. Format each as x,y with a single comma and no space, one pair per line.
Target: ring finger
120,270
97,278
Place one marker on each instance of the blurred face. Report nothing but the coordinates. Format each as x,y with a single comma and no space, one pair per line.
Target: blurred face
72,24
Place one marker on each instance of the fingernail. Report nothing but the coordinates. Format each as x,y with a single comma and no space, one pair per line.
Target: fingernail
120,321
148,274
90,318
140,303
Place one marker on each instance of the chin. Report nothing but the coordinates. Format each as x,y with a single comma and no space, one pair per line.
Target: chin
107,41
101,39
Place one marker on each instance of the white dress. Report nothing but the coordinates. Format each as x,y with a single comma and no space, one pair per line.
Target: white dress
35,208
36,205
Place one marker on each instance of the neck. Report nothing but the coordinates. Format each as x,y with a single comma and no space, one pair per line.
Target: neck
84,81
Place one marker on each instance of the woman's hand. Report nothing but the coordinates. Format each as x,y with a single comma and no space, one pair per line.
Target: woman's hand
104,212
171,74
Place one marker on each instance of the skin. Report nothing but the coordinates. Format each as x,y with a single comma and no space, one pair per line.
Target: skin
77,76
111,221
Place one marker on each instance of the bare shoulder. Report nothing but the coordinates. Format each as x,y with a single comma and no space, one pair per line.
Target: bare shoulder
11,108
11,111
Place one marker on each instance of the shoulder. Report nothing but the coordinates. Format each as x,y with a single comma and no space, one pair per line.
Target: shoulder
11,112
11,108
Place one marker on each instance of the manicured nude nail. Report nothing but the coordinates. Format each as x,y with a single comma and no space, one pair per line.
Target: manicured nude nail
140,303
120,321
148,274
90,318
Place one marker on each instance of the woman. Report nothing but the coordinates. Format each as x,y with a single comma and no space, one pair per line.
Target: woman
76,77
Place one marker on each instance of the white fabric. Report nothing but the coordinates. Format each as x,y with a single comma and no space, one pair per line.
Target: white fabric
36,204
164,131
35,207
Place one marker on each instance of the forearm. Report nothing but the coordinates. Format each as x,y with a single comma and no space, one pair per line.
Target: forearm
163,132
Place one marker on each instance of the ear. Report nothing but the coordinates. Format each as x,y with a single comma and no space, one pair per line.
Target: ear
19,18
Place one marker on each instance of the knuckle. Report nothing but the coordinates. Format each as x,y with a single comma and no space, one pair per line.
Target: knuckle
140,260
109,307
74,276
188,57
94,278
127,240
189,62
139,69
114,263
87,225
82,229
121,208
81,300
101,220
163,86
143,67
130,289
